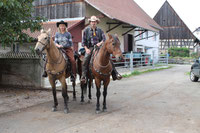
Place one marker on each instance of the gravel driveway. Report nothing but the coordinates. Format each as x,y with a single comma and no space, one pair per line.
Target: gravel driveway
157,102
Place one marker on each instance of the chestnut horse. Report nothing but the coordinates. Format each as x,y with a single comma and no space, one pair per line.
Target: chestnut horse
56,67
102,67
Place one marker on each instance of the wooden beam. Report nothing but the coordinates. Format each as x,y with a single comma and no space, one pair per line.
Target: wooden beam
128,26
140,33
113,23
113,27
128,31
145,38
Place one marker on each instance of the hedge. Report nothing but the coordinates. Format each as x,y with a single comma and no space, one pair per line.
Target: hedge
179,52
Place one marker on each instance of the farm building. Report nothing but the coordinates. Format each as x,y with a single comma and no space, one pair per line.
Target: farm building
175,32
136,30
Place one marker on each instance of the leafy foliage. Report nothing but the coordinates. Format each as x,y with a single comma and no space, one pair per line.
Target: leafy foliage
16,17
194,55
179,52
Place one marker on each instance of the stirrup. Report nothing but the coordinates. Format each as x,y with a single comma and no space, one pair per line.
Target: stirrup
44,74
118,76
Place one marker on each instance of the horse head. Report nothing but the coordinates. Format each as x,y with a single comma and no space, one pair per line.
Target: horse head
43,41
113,46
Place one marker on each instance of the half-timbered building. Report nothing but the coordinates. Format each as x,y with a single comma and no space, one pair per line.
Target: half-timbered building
175,32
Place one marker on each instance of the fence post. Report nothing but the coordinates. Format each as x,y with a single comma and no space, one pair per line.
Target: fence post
131,61
167,58
153,59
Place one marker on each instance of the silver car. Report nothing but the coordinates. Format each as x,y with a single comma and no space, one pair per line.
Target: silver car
195,71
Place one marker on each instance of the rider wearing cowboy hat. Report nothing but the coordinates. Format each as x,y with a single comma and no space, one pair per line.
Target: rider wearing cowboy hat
63,40
94,36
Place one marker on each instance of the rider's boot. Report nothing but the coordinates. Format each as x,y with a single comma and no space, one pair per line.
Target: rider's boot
44,74
73,78
115,74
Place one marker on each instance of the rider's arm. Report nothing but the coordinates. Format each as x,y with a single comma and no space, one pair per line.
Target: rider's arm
56,41
102,40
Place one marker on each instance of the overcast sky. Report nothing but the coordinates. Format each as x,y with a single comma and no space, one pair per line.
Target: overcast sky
188,10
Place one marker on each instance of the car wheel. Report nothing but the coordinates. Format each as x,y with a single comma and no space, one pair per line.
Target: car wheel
193,78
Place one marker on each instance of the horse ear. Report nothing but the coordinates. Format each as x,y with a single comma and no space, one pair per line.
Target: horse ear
49,31
109,36
42,31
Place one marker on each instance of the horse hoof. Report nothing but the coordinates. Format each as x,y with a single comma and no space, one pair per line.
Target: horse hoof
104,110
66,111
74,99
98,111
54,109
89,101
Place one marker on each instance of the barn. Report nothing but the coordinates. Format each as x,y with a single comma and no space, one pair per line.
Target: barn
175,32
136,30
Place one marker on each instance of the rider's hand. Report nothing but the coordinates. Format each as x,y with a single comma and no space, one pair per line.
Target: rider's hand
87,51
100,43
59,46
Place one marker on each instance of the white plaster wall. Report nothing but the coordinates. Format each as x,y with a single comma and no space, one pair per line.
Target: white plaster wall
119,30
152,42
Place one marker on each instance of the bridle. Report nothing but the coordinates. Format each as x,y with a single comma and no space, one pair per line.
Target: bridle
102,66
44,47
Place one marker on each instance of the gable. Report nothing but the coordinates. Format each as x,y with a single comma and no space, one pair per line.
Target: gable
173,26
127,12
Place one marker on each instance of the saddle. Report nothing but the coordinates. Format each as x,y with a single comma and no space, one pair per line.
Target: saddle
94,53
68,67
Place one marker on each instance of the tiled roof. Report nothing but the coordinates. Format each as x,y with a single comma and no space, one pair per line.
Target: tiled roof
20,55
52,26
126,11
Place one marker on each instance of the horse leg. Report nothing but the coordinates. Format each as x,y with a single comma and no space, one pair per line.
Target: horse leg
74,91
89,90
82,91
98,94
64,94
52,82
106,82
104,98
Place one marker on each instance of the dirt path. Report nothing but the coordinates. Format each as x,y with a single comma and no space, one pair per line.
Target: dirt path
158,102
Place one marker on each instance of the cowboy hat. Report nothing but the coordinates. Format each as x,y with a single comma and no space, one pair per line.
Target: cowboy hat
94,18
61,22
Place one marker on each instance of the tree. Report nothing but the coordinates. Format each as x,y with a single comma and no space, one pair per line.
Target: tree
15,18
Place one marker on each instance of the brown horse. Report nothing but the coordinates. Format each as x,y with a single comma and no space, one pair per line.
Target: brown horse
102,67
56,67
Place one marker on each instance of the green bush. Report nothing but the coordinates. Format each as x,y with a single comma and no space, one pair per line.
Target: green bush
179,52
194,55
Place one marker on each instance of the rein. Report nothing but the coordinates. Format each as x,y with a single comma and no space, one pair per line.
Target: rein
60,54
59,59
101,66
